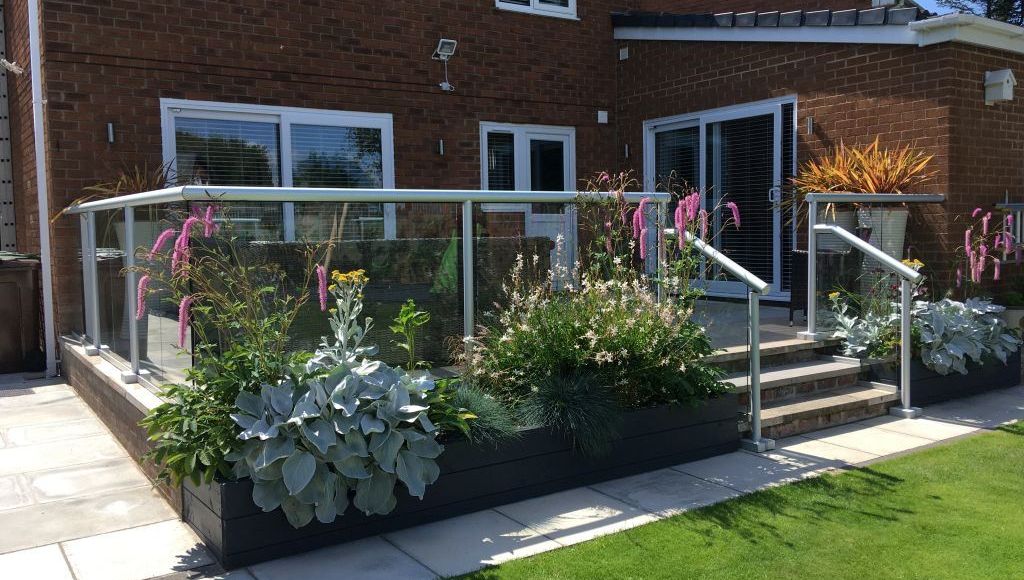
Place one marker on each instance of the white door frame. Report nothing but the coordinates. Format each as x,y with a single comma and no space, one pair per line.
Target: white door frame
522,135
702,119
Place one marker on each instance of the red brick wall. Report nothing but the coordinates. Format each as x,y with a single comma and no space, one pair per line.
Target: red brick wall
20,102
112,62
854,92
711,6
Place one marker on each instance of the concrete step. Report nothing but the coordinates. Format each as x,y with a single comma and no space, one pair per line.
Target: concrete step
776,353
796,379
813,411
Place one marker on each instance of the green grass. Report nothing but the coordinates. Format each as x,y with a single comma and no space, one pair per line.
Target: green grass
955,511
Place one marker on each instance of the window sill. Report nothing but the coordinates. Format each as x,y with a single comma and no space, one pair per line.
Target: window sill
534,11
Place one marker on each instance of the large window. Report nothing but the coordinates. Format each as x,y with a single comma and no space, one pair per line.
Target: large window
230,144
559,8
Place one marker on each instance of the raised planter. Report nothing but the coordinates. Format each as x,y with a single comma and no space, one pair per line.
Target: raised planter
472,478
928,387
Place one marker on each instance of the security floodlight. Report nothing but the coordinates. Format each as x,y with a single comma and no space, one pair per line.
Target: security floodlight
445,49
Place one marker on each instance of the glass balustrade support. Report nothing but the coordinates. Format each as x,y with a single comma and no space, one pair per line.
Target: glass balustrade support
92,305
131,375
755,443
812,271
905,410
467,270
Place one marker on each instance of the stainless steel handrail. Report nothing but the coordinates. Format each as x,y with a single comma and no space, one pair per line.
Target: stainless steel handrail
757,287
907,277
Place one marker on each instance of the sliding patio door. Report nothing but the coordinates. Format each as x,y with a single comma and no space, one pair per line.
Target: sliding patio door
731,155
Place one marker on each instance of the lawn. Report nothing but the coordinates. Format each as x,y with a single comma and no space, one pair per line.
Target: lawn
955,511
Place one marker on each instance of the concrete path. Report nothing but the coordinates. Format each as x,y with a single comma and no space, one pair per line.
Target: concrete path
81,508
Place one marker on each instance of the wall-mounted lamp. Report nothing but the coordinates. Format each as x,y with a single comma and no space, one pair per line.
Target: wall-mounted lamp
110,133
999,85
444,52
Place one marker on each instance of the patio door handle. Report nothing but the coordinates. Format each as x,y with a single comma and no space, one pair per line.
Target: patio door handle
774,194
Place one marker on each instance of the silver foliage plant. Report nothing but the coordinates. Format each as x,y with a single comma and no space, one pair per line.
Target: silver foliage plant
953,332
348,431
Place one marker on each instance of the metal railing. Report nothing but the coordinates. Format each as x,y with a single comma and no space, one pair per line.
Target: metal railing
908,276
813,199
466,198
757,287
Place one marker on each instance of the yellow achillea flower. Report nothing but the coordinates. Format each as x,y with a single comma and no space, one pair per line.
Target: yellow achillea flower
833,295
355,277
915,263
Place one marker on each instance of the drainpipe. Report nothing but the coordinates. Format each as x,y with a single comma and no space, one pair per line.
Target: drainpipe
41,190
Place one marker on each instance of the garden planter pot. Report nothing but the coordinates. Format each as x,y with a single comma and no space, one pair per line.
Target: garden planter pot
928,387
846,219
472,478
888,228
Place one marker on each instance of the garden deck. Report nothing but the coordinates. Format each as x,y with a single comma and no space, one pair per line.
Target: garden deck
102,534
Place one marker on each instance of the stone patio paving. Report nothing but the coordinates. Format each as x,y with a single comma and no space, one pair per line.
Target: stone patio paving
81,506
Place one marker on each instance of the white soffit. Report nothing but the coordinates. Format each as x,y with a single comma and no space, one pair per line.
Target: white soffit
963,28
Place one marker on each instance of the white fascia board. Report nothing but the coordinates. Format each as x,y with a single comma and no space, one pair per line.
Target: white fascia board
969,29
829,34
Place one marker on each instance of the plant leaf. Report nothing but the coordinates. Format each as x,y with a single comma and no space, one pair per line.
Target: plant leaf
298,470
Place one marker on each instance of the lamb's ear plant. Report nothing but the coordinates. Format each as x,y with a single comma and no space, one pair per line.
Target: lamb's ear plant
951,333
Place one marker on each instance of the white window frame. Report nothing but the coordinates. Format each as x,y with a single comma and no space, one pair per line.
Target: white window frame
285,117
539,8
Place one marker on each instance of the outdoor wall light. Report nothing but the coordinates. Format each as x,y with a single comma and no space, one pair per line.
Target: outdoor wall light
445,50
999,85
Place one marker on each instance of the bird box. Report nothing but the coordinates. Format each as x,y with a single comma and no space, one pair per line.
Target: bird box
999,85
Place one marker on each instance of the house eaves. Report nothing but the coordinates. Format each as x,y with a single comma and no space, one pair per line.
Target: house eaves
871,26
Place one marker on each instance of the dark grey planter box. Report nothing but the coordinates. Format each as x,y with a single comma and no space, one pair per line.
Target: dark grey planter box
928,387
472,478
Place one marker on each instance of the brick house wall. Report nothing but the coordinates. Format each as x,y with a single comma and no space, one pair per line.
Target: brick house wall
904,94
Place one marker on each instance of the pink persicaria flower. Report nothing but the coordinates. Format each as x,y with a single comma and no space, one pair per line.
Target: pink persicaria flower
140,306
693,204
161,241
997,270
997,242
321,286
983,250
608,238
984,223
209,226
967,239
976,212
603,177
959,277
1009,220
703,225
735,213
681,223
643,243
184,319
639,218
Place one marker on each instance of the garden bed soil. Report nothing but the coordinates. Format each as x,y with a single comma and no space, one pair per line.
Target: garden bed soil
472,478
928,387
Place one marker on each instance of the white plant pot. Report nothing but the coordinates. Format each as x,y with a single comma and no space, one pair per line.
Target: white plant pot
1014,318
888,228
846,219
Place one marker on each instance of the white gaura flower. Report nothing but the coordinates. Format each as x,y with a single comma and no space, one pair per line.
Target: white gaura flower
604,357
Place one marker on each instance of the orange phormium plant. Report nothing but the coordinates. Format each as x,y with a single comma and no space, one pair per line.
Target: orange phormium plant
889,170
835,172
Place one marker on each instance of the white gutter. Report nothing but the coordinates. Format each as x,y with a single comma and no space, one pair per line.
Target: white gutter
36,72
964,28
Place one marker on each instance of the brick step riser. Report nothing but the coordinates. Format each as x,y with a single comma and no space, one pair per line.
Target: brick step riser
825,419
780,393
772,360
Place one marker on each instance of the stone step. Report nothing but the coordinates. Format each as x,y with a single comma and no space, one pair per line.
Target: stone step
796,379
775,353
814,411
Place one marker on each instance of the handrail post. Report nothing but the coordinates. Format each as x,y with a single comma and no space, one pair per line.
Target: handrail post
756,443
467,271
90,272
132,375
812,272
905,409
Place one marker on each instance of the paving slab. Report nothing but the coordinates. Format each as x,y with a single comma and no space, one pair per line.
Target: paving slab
137,553
983,411
368,559
665,492
931,429
58,454
806,451
869,439
43,563
69,519
86,479
470,542
576,515
35,413
14,492
747,472
46,432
